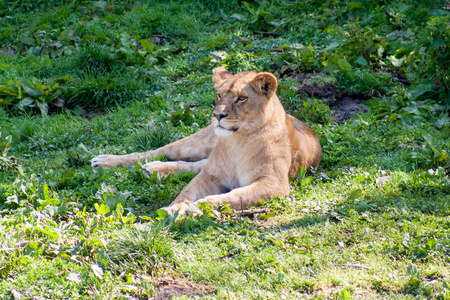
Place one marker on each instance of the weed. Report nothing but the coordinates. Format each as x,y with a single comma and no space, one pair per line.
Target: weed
26,95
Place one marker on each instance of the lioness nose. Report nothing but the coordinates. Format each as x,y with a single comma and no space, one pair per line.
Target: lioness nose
219,116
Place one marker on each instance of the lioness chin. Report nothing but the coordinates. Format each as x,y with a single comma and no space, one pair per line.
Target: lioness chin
247,153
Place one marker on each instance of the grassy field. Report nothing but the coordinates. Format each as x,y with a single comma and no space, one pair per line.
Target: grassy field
82,78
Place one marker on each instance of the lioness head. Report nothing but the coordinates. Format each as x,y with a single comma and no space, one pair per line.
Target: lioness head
241,100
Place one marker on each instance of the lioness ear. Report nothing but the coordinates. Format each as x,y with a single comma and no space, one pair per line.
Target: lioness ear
220,74
265,83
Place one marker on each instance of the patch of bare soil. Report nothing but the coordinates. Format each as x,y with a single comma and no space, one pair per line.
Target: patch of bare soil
171,289
343,104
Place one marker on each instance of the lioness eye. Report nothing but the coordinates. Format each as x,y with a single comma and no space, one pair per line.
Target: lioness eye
241,99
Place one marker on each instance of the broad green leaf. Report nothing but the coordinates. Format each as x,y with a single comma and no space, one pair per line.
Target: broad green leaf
28,41
8,90
301,172
32,92
396,62
362,61
431,243
147,45
119,209
43,192
24,103
162,214
344,65
101,209
43,107
332,46
98,271
124,38
131,218
301,175
419,90
360,177
47,232
355,194
251,10
111,201
437,43
102,257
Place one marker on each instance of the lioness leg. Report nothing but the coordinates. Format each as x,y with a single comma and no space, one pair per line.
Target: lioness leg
203,188
164,168
248,196
192,148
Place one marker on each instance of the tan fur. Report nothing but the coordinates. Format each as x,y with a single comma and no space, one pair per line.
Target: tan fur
248,152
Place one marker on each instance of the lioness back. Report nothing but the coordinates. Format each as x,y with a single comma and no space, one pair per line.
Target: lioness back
310,152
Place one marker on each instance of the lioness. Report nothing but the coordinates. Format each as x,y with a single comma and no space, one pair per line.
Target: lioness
248,152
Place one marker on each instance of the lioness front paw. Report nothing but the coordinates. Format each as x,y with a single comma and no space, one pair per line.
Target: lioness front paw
163,168
183,208
105,161
213,200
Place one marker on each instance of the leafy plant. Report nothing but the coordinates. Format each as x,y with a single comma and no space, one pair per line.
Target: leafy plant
363,80
187,116
311,110
431,152
259,20
142,52
30,95
297,58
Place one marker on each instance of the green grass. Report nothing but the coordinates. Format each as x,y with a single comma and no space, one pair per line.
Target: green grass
372,222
